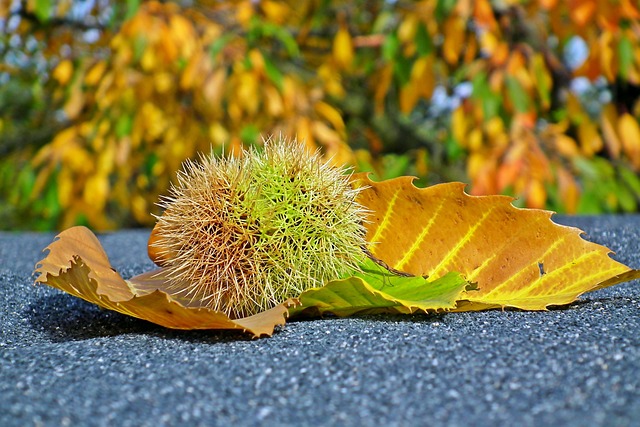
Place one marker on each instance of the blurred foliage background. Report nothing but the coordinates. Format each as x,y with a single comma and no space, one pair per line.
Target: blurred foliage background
101,101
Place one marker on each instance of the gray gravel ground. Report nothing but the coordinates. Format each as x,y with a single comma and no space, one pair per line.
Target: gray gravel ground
66,362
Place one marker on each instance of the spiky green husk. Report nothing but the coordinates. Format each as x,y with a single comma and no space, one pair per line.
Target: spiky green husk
243,234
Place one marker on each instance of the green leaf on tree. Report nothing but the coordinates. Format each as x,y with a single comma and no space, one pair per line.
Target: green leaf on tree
43,10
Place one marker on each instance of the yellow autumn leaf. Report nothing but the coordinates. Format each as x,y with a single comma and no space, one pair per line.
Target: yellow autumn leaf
474,140
273,101
213,89
542,79
96,191
75,102
95,73
459,125
192,73
384,79
536,194
244,12
218,134
423,77
183,35
64,183
163,82
629,131
275,11
63,72
246,92
149,60
330,114
139,207
343,48
608,63
484,15
407,29
408,98
454,35
566,145
420,85
518,257
590,139
303,128
77,264
569,190
608,121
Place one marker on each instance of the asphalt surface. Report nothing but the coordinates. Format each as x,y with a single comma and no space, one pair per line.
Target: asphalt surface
66,362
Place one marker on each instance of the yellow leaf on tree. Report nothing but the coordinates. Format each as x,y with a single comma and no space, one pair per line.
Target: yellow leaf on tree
483,13
454,33
218,134
275,11
246,92
459,125
64,183
96,191
518,257
213,89
183,33
273,101
629,131
495,128
63,72
244,12
590,139
343,48
407,29
608,120
420,85
569,190
385,76
163,82
566,145
408,98
475,140
422,76
303,130
95,73
332,115
139,207
149,60
536,194
608,63
75,103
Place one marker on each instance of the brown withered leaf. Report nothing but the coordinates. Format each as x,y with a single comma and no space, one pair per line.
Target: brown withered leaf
518,257
77,264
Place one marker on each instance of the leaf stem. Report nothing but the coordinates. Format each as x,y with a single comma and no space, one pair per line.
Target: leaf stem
385,265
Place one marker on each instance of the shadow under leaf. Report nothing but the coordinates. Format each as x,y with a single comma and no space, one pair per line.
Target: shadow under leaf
65,318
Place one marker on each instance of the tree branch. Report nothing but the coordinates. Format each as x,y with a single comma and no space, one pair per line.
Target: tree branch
57,21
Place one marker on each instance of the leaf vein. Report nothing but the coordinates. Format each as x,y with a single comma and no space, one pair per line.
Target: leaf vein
419,239
386,219
460,244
